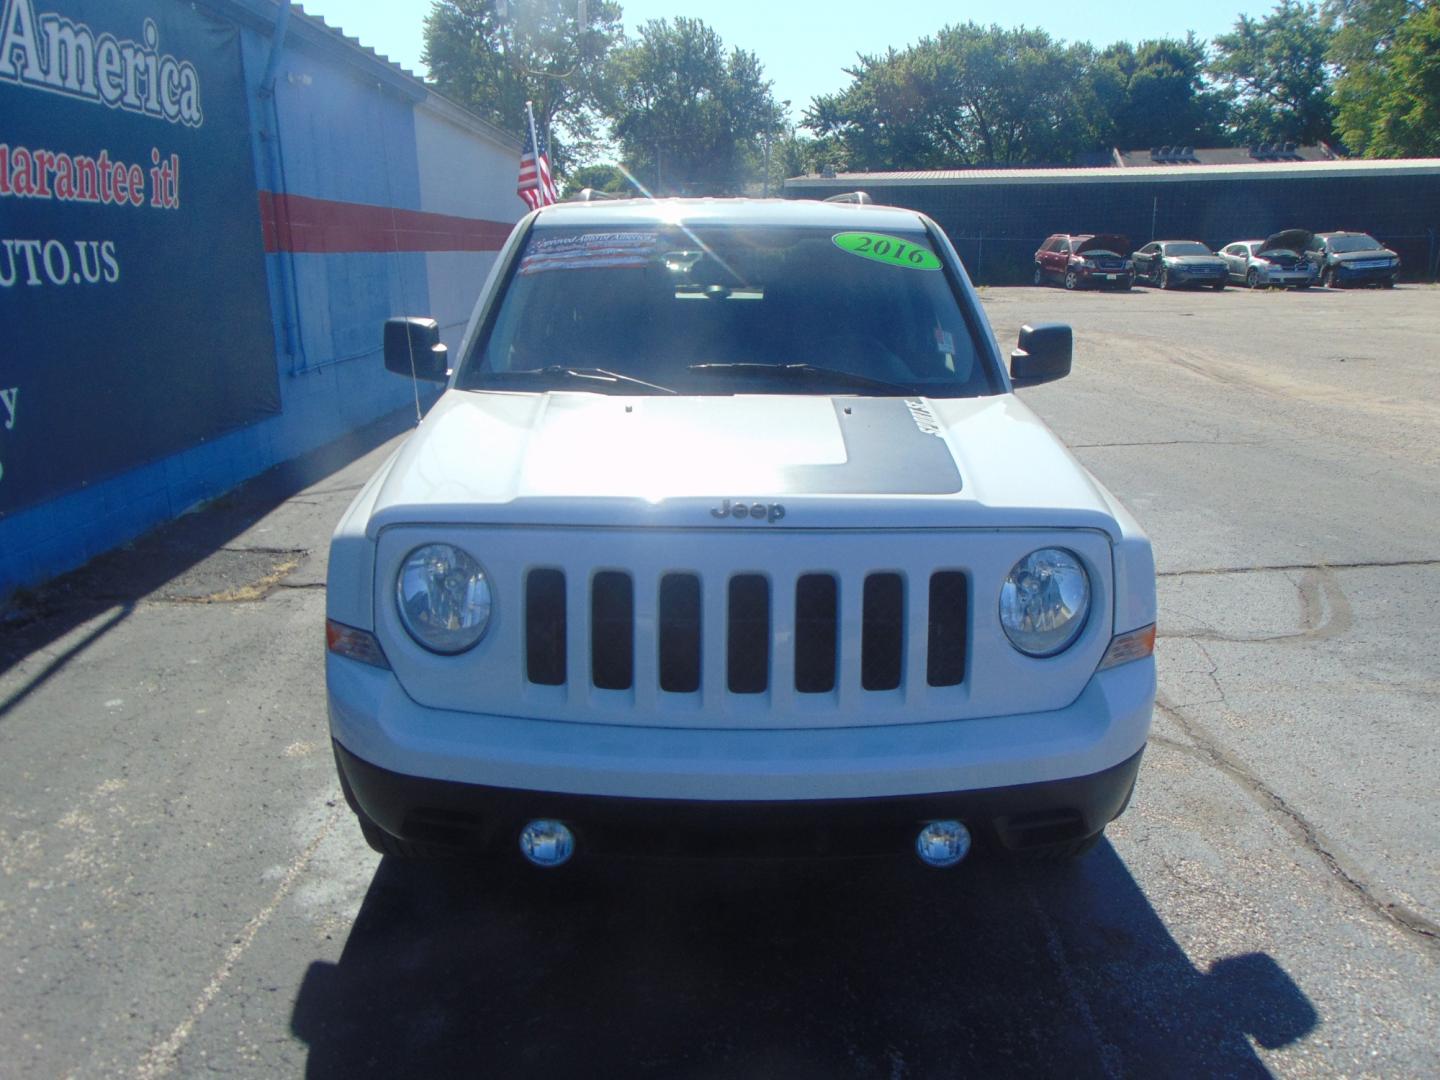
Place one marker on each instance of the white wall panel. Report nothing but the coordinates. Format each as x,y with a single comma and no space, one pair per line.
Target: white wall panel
455,280
463,171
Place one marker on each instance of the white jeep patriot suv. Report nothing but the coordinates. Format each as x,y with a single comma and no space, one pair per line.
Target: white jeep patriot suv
729,536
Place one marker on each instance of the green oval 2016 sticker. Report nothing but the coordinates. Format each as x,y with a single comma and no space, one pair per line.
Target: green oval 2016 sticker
887,249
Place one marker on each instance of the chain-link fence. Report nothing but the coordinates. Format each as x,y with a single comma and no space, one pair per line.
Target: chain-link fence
997,223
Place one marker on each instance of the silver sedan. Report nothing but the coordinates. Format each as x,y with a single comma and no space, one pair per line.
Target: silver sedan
1270,262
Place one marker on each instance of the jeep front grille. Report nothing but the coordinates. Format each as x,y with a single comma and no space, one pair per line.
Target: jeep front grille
545,627
946,651
882,638
816,638
612,630
679,633
813,625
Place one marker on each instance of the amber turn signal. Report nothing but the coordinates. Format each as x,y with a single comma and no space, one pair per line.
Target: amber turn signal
1132,645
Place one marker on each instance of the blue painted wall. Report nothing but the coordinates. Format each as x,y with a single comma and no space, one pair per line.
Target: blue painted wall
346,132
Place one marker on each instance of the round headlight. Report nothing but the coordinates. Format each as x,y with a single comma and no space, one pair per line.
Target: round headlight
444,598
1044,602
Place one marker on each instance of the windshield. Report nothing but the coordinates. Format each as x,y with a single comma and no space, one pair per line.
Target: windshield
724,310
1187,248
1363,242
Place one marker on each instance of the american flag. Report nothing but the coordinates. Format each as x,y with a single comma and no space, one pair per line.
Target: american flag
535,185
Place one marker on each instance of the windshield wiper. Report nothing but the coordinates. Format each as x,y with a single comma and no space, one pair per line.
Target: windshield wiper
807,373
563,371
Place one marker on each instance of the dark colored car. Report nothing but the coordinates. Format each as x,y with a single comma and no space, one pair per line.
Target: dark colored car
1347,258
1086,259
1170,263
1274,261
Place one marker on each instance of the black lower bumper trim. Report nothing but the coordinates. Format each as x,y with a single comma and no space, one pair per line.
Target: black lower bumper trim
480,818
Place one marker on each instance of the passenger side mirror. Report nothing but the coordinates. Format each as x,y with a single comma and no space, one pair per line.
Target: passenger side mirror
1042,354
412,347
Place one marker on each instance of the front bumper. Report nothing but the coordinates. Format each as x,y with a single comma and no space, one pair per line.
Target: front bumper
427,751
479,818
1185,275
1348,274
1105,278
1287,278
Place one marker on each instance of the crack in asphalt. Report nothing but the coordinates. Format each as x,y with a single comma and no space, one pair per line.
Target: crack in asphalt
1167,442
1325,613
1206,749
1110,1063
163,1056
1380,564
334,491
247,550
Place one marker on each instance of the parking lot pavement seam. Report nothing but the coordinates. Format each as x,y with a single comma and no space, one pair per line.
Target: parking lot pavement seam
161,1058
1205,748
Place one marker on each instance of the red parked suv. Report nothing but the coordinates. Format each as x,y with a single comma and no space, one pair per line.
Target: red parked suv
1101,260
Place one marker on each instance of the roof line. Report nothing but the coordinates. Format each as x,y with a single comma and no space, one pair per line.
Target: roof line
1131,174
313,31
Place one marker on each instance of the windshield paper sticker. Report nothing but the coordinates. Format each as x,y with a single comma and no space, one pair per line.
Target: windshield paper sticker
887,249
590,251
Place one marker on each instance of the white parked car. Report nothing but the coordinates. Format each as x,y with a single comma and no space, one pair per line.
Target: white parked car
730,535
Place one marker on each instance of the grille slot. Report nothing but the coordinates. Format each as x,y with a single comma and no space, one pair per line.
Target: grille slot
680,633
545,627
882,635
949,615
816,634
612,630
747,653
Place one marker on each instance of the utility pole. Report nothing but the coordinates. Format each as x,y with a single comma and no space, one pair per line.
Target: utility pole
769,137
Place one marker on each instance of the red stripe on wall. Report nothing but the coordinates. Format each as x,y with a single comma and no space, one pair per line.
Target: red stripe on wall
323,226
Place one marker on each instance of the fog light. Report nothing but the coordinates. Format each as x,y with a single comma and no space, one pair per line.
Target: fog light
942,843
547,843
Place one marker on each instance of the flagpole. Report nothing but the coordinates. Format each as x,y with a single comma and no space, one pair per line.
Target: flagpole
534,140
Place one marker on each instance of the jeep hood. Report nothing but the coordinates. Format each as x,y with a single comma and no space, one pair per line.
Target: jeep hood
564,458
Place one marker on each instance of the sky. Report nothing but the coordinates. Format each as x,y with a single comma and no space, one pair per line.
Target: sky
805,45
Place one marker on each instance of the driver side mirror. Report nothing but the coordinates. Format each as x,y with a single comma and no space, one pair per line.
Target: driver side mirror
1042,354
412,347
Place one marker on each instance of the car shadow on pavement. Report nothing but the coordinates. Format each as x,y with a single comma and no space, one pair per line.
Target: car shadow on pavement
782,970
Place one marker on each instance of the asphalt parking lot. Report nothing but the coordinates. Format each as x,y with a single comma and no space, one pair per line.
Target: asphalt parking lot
182,890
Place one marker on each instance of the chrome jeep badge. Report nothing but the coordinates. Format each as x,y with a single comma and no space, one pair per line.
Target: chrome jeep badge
768,512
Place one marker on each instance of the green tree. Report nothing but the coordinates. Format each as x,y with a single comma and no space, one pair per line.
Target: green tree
1387,94
798,154
607,178
1155,94
1276,70
968,95
492,56
688,113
